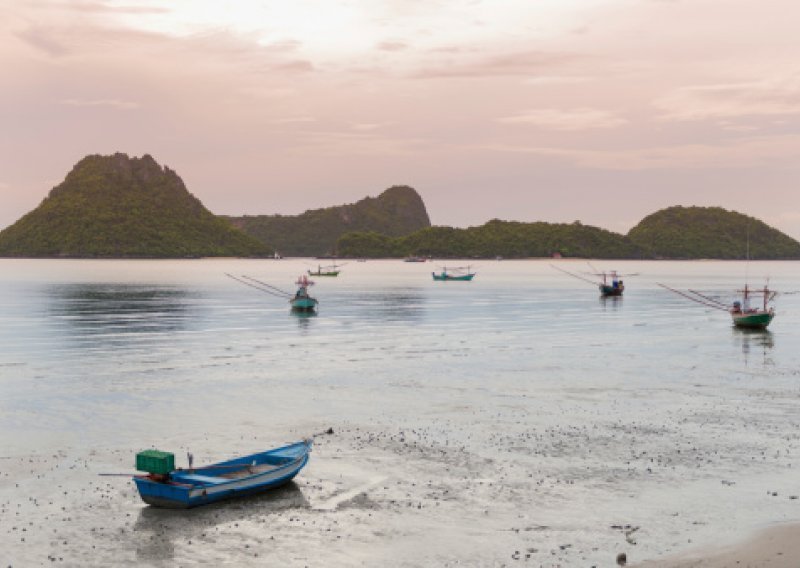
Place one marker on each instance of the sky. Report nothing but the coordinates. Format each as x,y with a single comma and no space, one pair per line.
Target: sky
601,111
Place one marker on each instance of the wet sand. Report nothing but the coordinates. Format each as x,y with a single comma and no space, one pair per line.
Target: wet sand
370,496
776,547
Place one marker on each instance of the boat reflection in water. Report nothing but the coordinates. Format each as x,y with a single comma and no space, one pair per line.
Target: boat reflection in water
610,302
753,339
303,317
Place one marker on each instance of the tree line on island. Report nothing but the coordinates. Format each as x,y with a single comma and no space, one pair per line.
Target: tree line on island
121,207
672,233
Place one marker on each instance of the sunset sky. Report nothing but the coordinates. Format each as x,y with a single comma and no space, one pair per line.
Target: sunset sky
601,111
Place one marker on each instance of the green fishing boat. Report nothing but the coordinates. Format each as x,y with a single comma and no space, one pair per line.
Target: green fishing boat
462,274
742,313
753,318
330,270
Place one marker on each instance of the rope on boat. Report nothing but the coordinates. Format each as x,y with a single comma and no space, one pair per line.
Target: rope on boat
716,306
268,290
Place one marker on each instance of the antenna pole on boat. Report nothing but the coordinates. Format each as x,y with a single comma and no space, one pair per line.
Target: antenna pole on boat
747,263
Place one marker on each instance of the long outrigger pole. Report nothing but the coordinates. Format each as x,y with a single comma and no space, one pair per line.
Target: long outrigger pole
710,299
574,275
701,300
260,286
270,286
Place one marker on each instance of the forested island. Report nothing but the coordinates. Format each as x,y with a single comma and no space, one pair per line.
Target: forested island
396,212
672,233
121,207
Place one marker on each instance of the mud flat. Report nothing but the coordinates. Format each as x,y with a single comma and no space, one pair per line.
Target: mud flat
440,494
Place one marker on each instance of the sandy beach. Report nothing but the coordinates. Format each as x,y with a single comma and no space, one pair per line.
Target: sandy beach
775,547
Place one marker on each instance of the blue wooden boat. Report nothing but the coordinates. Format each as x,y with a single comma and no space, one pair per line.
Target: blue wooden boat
459,274
185,488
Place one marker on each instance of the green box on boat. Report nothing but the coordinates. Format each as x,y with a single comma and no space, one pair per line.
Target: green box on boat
154,461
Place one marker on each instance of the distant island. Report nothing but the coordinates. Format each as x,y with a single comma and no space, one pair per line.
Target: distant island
672,233
396,212
711,232
121,207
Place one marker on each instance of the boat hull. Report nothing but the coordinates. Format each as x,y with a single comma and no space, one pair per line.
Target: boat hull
606,290
757,320
335,273
462,278
203,486
303,304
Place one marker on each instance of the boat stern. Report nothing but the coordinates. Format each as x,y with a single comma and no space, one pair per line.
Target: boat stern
163,494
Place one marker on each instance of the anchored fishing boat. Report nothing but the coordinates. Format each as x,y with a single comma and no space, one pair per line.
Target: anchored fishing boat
329,270
742,313
165,486
458,273
611,284
301,301
754,318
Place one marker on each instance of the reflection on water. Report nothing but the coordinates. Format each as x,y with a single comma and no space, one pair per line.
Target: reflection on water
304,318
404,305
611,302
124,309
755,340
159,530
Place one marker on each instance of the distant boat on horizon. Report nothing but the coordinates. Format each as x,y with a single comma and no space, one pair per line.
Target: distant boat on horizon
461,273
329,270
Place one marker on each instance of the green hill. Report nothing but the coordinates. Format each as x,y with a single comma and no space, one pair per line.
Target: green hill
495,238
116,206
710,232
397,211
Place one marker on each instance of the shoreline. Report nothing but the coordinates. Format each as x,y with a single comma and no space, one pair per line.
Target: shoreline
776,546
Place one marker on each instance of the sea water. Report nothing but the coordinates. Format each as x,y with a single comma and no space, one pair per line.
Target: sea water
518,417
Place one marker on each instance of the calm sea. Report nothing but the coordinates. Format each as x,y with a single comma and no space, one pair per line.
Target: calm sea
524,367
